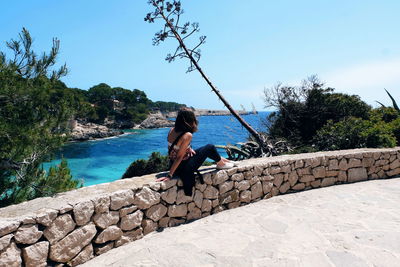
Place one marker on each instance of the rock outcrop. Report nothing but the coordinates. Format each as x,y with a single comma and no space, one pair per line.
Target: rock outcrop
90,131
156,120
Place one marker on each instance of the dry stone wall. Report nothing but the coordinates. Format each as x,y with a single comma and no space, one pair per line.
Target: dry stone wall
74,227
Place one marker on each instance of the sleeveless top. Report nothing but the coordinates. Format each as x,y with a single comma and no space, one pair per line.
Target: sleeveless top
174,151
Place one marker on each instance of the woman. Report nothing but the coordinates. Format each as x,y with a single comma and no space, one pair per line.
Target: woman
184,161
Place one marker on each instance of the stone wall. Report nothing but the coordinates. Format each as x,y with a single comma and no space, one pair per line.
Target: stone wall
75,226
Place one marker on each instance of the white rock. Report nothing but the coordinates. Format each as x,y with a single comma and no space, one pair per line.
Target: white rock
106,219
121,199
83,211
225,187
146,198
36,255
101,204
27,234
131,221
85,255
46,216
156,212
59,228
170,195
220,177
177,210
68,247
110,233
5,241
211,192
182,198
11,256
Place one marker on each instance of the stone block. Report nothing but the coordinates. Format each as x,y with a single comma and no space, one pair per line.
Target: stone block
168,184
245,196
284,187
101,204
258,170
207,178
149,226
328,181
248,175
299,164
194,214
146,198
354,163
267,186
70,246
315,184
7,227
211,192
307,178
177,210
357,174
156,212
395,164
27,234
5,241
156,186
393,172
342,176
121,199
333,164
278,180
131,221
256,190
233,205
59,228
229,197
274,170
319,172
220,177
110,233
36,255
225,187
85,255
343,164
206,205
237,177
11,256
242,185
304,171
368,162
293,178
198,198
83,211
170,195
46,216
125,211
163,222
182,198
101,249
201,187
299,186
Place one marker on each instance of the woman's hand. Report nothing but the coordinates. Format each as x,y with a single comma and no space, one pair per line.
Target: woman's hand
161,179
192,152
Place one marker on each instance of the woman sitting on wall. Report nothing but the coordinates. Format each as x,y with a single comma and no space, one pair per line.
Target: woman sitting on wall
184,161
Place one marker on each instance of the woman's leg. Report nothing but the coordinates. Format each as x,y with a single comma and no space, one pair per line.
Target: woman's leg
202,153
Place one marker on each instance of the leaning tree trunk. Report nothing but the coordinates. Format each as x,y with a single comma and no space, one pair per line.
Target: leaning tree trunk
250,129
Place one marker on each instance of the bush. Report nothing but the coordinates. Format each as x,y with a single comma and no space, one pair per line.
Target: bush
155,163
354,132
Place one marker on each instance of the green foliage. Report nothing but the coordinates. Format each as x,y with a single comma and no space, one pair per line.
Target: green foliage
155,163
34,109
354,132
167,106
302,111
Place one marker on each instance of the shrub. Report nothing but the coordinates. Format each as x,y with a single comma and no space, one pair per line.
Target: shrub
354,132
155,163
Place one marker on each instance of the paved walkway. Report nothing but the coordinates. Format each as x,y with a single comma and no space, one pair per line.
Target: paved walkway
346,225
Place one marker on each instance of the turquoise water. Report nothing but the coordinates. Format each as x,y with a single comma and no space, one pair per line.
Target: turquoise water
106,160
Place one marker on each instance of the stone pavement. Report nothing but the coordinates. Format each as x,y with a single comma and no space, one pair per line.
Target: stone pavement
345,225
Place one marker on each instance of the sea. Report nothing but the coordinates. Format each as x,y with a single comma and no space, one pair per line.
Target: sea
105,160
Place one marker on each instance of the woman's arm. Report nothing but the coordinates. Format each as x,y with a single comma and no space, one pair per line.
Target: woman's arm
186,139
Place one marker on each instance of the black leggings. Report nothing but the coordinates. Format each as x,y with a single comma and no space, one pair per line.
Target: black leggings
187,167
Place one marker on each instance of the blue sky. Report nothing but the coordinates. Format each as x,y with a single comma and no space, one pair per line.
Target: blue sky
354,46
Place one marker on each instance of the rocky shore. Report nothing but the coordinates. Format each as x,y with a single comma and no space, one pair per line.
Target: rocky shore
90,131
